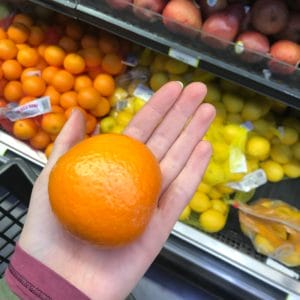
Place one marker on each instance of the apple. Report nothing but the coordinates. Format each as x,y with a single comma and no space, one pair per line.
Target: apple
222,27
269,16
209,7
119,4
182,16
292,31
288,53
251,46
147,9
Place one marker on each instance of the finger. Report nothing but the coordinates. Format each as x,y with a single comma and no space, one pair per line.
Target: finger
177,156
184,186
147,119
167,132
71,134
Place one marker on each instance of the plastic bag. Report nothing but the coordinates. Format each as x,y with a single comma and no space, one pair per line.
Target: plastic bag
274,229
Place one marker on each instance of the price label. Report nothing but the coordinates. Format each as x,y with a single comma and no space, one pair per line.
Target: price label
188,59
143,92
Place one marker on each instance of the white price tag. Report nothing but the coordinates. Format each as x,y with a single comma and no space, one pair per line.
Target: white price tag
237,161
143,92
188,59
250,181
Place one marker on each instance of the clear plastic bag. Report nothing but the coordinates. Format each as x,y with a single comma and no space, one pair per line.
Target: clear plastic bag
274,229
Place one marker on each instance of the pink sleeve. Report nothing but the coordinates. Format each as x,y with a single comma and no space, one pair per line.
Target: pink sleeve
31,280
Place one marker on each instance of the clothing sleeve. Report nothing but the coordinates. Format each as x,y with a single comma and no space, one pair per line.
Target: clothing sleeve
5,292
29,279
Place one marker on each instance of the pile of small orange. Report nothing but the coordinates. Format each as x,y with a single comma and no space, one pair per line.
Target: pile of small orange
77,71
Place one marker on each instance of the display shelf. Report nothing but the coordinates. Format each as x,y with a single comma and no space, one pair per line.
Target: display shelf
223,63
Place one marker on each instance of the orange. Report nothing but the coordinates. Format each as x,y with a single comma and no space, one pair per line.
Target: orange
57,109
41,49
54,56
91,123
28,57
110,191
94,72
24,129
24,19
69,111
52,123
40,140
68,99
18,32
3,83
49,149
112,64
105,84
3,34
48,73
29,72
8,49
53,94
109,44
102,108
12,69
68,44
36,36
81,82
74,30
74,63
26,99
13,91
88,97
1,73
34,86
42,64
22,46
63,81
92,57
89,41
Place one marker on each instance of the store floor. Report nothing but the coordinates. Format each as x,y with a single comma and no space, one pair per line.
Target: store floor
160,284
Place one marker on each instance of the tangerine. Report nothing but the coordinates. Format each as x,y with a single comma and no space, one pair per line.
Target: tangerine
109,44
89,41
68,99
18,33
13,91
40,140
90,123
68,44
28,57
102,108
29,72
36,36
49,149
74,63
52,123
34,86
74,30
63,81
92,57
8,49
57,109
88,98
112,64
105,84
3,34
53,94
12,69
24,19
81,82
48,73
110,191
54,56
26,99
24,129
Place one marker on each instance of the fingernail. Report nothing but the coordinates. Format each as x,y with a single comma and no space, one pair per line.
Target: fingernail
180,83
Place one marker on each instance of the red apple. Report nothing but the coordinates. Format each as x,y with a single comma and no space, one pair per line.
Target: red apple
119,4
209,7
222,27
269,16
288,53
251,46
292,31
182,16
147,9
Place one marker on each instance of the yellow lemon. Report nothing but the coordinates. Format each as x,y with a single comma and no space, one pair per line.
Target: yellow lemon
220,110
185,213
292,169
107,124
220,151
291,260
264,128
118,95
214,193
204,188
176,67
158,63
219,205
288,135
252,110
157,80
281,153
231,132
262,245
212,221
224,189
233,103
258,147
274,170
214,174
213,93
138,104
252,165
200,202
117,129
124,118
296,150
234,119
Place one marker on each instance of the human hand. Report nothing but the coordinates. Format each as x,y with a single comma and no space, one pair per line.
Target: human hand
183,157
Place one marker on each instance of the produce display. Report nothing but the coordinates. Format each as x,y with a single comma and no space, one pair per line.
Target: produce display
255,30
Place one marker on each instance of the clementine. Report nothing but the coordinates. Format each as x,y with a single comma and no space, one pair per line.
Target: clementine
81,82
89,41
105,189
68,99
74,63
40,140
18,32
28,57
24,19
63,81
105,84
54,56
53,94
34,86
48,150
8,49
88,98
13,91
68,44
102,108
48,73
112,64
12,69
24,129
52,123
36,36
109,44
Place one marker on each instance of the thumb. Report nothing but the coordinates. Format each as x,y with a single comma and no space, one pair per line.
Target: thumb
72,133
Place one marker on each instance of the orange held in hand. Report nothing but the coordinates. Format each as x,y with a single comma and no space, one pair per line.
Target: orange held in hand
105,189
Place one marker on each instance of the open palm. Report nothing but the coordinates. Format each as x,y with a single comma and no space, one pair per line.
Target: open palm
162,126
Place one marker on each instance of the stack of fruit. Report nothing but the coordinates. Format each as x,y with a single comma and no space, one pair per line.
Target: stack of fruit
75,68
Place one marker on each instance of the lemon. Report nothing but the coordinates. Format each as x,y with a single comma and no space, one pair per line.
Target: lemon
158,63
107,124
157,80
258,147
176,67
220,206
262,245
264,128
236,176
124,118
220,110
220,151
212,221
292,169
266,104
233,103
130,106
288,135
281,153
214,174
296,150
118,95
214,193
252,110
203,76
185,213
292,122
224,189
174,77
229,86
274,170
204,188
291,260
146,57
234,119
231,132
138,104
117,129
200,202
278,107
213,93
